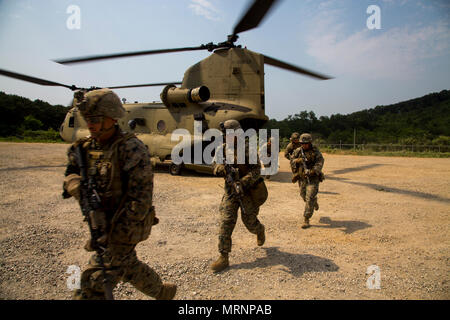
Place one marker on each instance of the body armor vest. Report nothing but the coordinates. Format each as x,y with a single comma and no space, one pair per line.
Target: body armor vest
104,168
243,169
311,157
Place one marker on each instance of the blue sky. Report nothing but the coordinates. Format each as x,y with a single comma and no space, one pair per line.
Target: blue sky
407,58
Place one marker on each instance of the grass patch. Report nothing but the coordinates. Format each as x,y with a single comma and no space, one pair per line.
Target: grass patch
29,140
49,136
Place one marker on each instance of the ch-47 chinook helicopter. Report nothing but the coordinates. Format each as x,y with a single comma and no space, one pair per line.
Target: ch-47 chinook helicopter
228,84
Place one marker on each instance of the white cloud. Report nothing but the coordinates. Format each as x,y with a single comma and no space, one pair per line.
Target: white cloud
204,8
397,53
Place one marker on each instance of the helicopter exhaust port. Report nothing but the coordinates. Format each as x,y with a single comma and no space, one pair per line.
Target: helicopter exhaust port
172,96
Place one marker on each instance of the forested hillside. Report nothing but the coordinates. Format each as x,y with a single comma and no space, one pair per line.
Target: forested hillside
18,114
424,120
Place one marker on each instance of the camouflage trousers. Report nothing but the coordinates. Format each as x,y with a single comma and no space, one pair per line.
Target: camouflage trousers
308,192
121,264
228,217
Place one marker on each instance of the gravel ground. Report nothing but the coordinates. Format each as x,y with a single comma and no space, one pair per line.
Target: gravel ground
384,211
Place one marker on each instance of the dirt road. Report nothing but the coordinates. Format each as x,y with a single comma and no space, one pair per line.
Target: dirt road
393,213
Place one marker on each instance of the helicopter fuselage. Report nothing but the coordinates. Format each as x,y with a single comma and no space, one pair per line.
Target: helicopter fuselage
234,78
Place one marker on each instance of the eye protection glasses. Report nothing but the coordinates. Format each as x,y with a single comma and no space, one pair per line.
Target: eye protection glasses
94,120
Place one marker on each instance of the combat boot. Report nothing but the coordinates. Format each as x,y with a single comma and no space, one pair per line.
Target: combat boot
306,223
261,236
221,263
88,246
167,292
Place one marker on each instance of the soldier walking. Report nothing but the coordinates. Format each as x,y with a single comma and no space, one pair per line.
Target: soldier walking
307,162
245,189
119,174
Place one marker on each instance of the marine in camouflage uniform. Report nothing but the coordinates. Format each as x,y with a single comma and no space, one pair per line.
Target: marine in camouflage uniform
119,163
293,144
308,180
254,193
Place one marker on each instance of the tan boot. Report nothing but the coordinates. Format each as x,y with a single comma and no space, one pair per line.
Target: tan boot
306,223
261,236
167,292
221,264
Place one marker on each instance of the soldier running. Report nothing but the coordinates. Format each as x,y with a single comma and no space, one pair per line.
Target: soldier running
246,190
307,162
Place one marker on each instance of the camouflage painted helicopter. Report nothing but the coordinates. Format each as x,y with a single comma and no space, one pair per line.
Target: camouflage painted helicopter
228,84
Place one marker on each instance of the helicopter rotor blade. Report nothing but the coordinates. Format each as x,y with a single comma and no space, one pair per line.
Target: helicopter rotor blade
254,15
42,82
127,54
290,67
145,85
251,19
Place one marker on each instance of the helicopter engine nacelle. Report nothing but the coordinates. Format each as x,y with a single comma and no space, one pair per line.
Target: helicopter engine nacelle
172,96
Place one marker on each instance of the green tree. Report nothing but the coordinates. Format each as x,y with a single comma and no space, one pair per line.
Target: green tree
31,123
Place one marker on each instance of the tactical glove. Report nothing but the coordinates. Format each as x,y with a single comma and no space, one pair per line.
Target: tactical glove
295,178
219,170
239,187
245,182
72,185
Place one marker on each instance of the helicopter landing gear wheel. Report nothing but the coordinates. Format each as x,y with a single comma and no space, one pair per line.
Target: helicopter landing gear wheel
175,169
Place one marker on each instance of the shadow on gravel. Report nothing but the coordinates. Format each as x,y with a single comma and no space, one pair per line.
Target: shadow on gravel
379,187
359,168
32,167
282,177
347,226
329,192
296,264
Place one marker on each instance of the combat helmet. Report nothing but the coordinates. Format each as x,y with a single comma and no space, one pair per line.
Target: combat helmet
100,102
305,138
231,124
294,136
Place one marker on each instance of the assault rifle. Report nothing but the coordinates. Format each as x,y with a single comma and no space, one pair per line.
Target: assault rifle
304,164
90,202
232,176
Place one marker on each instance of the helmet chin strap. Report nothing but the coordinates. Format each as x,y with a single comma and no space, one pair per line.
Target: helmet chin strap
104,130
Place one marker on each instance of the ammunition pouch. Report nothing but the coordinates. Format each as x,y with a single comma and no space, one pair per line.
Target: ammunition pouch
319,175
258,192
129,230
293,165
